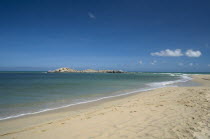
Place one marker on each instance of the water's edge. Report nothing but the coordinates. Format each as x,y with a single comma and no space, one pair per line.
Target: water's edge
155,85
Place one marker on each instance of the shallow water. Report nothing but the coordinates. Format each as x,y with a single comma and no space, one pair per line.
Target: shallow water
23,93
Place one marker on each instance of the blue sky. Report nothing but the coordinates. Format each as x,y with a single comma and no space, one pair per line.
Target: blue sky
132,35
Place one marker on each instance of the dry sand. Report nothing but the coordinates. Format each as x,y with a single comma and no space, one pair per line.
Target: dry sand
172,112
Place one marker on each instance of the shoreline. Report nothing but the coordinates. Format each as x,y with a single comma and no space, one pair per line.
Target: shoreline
26,124
184,79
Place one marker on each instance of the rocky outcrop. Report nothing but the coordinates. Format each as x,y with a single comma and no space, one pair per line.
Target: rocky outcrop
89,71
63,70
68,70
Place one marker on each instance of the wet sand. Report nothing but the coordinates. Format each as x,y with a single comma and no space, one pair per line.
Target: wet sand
171,112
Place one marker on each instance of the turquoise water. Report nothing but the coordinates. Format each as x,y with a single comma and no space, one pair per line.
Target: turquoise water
23,93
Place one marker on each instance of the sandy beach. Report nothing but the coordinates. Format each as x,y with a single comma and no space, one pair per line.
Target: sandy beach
171,112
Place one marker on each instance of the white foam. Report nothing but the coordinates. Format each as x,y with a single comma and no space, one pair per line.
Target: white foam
184,78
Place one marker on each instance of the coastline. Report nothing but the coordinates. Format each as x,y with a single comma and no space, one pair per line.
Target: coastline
129,109
151,86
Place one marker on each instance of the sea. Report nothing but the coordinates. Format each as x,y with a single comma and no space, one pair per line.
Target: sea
26,93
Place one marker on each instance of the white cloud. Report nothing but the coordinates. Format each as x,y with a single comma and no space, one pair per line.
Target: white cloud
168,52
91,15
177,53
153,62
140,62
191,53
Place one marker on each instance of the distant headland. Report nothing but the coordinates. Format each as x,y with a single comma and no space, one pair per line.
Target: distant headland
68,70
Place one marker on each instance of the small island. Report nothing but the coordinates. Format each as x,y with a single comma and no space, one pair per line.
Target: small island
69,70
